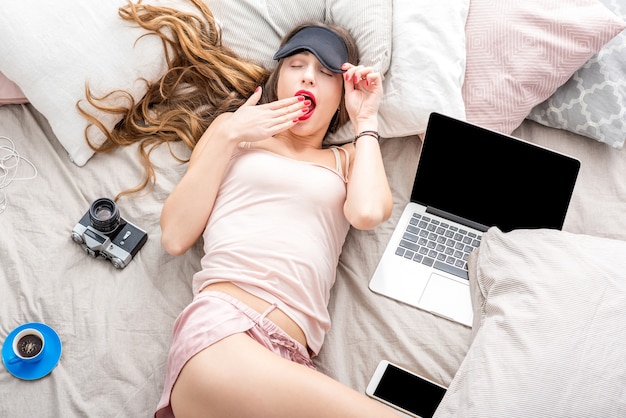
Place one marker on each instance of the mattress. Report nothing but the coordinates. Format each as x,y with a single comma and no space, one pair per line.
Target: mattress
115,324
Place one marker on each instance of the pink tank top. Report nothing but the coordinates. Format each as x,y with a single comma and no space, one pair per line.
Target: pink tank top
276,231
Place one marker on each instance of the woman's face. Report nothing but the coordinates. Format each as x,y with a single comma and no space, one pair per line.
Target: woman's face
303,74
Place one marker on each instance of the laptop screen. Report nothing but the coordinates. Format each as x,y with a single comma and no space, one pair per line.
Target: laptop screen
491,178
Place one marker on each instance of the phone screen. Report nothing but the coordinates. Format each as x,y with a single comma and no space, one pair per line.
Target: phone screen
409,392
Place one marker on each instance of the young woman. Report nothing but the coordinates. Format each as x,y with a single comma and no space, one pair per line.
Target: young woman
273,207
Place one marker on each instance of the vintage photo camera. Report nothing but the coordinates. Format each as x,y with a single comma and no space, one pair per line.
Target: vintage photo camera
102,232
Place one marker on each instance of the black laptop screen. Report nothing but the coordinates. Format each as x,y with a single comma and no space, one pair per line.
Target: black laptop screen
491,178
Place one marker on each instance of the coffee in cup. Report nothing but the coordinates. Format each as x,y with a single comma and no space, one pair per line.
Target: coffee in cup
28,346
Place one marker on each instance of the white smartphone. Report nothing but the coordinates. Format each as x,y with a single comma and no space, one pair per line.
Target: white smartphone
404,390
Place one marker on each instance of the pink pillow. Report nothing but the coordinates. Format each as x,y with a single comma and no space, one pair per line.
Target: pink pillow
520,51
10,93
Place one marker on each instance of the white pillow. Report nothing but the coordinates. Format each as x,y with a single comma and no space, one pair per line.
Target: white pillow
549,315
50,49
427,65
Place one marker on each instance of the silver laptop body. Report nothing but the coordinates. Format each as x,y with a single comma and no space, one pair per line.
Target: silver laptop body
468,179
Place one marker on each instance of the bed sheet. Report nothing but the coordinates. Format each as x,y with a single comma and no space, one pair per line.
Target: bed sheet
115,325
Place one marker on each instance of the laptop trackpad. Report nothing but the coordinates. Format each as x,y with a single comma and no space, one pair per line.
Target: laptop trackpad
448,298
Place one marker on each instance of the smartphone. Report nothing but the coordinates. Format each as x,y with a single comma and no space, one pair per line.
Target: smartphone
404,390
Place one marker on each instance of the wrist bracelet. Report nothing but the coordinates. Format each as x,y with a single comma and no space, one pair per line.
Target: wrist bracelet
373,134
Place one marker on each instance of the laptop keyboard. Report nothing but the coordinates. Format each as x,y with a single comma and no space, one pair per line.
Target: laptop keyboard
438,244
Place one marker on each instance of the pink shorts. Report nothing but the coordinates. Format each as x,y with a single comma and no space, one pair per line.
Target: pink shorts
212,316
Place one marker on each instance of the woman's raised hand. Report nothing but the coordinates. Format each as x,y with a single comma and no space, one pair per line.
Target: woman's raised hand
363,91
253,123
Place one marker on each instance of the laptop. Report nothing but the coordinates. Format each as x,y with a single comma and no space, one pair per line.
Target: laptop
468,179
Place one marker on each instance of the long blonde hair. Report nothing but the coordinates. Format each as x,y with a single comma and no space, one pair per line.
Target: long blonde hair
204,79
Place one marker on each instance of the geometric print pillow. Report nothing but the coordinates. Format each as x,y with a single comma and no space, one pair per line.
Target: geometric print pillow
519,52
593,102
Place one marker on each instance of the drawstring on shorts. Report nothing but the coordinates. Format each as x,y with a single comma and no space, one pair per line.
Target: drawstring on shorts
267,312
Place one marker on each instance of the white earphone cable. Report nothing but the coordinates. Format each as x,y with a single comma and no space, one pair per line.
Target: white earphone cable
10,160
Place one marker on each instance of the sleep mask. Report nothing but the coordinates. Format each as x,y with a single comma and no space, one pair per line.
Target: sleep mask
325,44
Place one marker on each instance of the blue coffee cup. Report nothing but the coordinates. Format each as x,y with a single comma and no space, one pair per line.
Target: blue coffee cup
28,346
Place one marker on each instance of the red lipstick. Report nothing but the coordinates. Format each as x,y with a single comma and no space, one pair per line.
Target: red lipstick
308,96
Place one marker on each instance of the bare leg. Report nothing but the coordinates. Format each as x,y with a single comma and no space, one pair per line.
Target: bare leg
237,377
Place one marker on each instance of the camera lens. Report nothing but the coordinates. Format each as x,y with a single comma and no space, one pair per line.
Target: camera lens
104,215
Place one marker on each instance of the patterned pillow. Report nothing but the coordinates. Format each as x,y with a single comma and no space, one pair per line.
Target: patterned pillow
593,102
520,52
